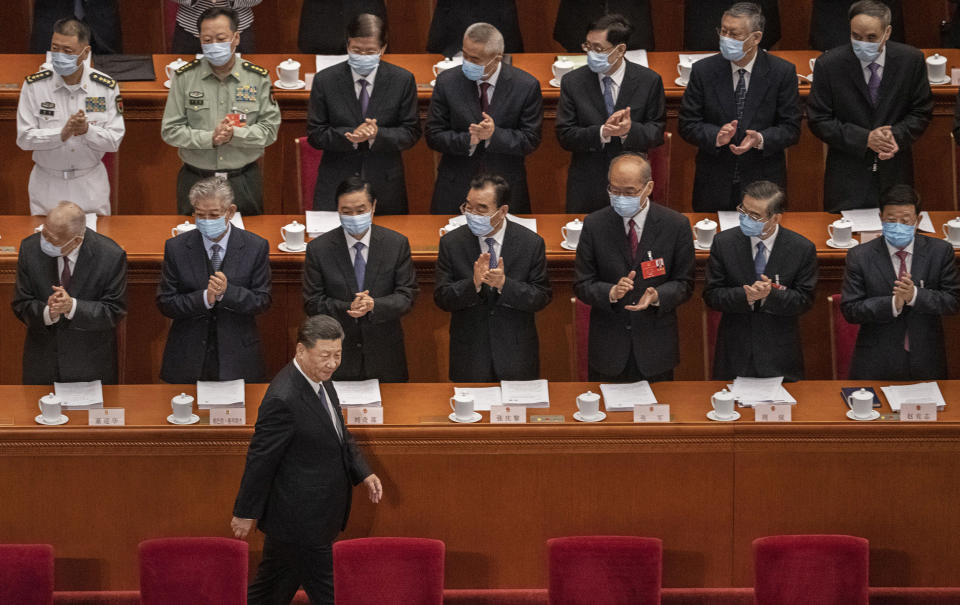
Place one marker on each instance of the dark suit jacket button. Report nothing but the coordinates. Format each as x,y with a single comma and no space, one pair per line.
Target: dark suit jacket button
628,327
359,346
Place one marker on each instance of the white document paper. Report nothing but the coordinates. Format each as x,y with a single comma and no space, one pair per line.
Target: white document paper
237,220
358,392
91,219
531,393
864,219
324,61
728,219
321,221
922,392
757,389
926,225
529,223
80,395
212,393
691,58
483,397
638,56
622,397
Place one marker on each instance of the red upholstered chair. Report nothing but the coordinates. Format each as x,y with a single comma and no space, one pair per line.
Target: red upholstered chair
26,574
199,571
660,167
308,160
605,570
111,161
373,571
581,337
843,338
802,570
169,23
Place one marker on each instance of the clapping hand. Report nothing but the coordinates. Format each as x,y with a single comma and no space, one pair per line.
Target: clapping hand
618,124
361,305
216,286
76,124
620,289
483,130
495,278
364,132
650,296
902,291
59,302
223,133
726,133
750,140
759,289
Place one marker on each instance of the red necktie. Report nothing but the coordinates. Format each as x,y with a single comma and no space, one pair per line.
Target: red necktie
484,102
632,237
65,274
902,255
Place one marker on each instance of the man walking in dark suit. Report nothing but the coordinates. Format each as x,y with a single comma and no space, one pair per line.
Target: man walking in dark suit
452,17
322,23
869,102
573,14
741,109
609,106
363,114
897,287
485,117
362,275
830,23
492,278
301,465
762,277
214,282
634,267
700,19
71,291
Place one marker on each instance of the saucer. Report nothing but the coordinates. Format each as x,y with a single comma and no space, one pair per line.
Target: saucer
193,419
680,82
62,420
167,84
808,78
945,80
578,416
874,414
285,248
475,418
300,84
700,246
956,246
712,415
555,83
567,246
833,244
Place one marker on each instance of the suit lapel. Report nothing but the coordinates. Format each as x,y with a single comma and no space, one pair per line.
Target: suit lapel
470,94
627,87
234,253
920,265
86,260
501,91
381,89
648,237
743,250
723,88
342,256
882,261
594,91
757,90
197,252
619,234
349,98
375,258
312,402
777,257
856,73
888,82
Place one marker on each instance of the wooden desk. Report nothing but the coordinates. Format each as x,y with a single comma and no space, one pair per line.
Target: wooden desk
494,494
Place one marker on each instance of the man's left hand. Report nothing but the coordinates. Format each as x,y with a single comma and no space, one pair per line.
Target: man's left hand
903,290
750,140
80,125
483,130
495,278
242,527
650,296
60,302
374,488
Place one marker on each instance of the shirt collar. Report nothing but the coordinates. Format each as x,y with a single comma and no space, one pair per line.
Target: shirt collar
369,77
879,60
616,76
206,70
208,244
767,243
59,83
497,237
313,385
748,67
365,240
639,218
492,80
74,254
892,250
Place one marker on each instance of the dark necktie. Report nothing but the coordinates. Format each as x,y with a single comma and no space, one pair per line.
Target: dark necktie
364,97
740,95
330,411
608,94
65,274
760,260
79,11
359,265
902,255
874,84
632,238
215,259
484,101
492,252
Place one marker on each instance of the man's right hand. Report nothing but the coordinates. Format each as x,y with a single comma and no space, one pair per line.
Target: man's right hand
881,140
70,128
620,289
726,133
242,527
480,268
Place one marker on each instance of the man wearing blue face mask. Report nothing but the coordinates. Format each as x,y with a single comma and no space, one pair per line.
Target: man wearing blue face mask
214,281
362,275
869,103
897,287
741,109
484,117
492,278
221,115
363,115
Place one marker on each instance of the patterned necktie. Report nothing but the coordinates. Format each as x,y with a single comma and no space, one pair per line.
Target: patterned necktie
902,255
484,100
65,274
740,95
359,265
608,94
760,260
364,97
333,414
215,259
874,84
632,238
492,252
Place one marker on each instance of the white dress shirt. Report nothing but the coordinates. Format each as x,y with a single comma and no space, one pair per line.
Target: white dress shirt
72,260
352,241
892,251
767,243
208,245
617,78
316,386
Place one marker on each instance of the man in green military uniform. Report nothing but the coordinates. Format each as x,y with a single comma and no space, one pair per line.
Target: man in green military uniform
221,115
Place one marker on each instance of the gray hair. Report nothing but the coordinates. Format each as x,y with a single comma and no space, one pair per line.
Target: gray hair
488,35
646,173
318,327
749,10
769,192
69,215
212,187
871,8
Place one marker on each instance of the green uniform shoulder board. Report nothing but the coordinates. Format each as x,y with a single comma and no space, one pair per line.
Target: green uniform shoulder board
40,75
102,79
247,65
188,66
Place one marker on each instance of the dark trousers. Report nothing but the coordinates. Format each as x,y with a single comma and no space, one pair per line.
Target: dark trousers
186,43
247,189
286,567
630,373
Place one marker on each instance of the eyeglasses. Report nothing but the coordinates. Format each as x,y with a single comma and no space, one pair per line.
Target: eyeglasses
726,33
207,217
587,47
752,215
625,192
357,51
465,208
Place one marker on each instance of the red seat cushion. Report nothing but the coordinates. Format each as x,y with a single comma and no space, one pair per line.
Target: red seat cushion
373,571
199,571
802,570
26,574
605,570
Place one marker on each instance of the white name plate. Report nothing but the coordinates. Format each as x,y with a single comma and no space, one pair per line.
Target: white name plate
107,417
659,412
772,412
221,416
508,414
918,412
364,415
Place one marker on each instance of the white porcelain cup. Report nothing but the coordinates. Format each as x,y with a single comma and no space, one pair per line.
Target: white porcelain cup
462,406
173,66
589,405
951,230
447,228
561,68
293,235
182,228
441,66
571,232
182,406
813,62
705,231
683,69
50,407
289,72
861,402
936,68
841,230
722,402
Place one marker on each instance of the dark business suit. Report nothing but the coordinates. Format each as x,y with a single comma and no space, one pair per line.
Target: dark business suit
701,18
830,22
603,256
298,484
575,16
227,331
580,114
373,345
771,107
79,349
760,339
335,110
840,113
103,17
323,23
451,18
517,111
866,300
493,336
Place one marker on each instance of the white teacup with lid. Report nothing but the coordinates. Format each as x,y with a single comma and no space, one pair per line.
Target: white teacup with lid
951,231
293,234
289,73
705,230
588,404
441,66
861,402
182,228
722,402
182,406
50,406
841,231
173,66
571,232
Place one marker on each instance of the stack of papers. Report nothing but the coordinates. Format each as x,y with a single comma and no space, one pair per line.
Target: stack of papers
237,220
922,392
80,395
638,56
728,219
483,397
622,397
322,62
321,221
531,393
691,58
529,223
864,219
751,391
577,60
211,394
90,218
358,392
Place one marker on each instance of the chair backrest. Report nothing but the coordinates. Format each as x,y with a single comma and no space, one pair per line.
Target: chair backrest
804,569
660,167
111,161
26,574
372,571
308,161
169,23
200,571
710,323
605,570
581,338
843,339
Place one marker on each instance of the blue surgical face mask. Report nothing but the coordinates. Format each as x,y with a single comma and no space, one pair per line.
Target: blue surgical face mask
363,64
898,235
212,228
866,51
356,224
479,224
626,205
751,227
64,64
49,249
731,49
218,53
599,63
473,71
